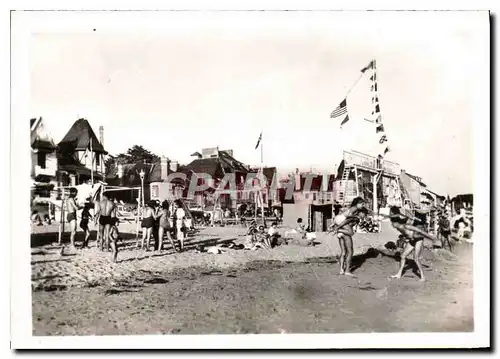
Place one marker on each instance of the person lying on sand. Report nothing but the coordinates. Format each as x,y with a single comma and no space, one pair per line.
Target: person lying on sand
413,231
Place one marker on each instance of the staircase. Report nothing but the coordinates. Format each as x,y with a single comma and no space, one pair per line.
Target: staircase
405,196
343,191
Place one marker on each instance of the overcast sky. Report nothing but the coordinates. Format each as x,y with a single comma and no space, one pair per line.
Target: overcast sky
176,82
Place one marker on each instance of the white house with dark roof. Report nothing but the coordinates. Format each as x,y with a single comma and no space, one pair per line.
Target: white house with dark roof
43,159
81,155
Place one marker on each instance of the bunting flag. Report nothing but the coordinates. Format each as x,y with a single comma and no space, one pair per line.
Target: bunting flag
380,128
374,87
373,77
371,65
387,149
375,99
379,119
258,141
383,139
344,121
340,110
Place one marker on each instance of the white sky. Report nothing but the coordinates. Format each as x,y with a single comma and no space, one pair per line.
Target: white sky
175,82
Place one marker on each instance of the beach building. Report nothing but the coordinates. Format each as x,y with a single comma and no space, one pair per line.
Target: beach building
81,155
43,161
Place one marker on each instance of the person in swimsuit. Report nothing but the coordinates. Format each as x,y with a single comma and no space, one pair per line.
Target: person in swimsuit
164,226
343,227
114,236
345,231
104,211
179,215
147,224
413,231
71,208
84,224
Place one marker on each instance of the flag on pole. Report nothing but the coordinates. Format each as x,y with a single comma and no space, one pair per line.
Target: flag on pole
258,141
340,110
380,128
369,66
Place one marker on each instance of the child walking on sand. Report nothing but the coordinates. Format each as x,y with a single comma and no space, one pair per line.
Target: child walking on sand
413,231
114,237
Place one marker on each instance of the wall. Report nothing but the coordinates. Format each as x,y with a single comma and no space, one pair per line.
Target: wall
87,160
412,187
293,211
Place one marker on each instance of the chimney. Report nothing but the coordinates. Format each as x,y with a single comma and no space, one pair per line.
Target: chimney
164,167
120,171
297,180
174,166
101,135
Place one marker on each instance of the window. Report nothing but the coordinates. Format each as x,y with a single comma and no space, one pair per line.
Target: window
42,159
97,159
154,191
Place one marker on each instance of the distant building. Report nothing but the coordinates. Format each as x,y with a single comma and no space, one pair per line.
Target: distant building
80,155
43,160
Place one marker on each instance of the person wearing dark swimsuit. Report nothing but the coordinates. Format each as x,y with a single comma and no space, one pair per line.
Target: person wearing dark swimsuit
84,224
413,231
164,227
72,207
147,226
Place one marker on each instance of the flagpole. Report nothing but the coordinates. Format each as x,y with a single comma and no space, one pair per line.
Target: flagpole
262,176
91,163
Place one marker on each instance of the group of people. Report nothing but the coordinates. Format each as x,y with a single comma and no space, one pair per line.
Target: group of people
158,220
411,229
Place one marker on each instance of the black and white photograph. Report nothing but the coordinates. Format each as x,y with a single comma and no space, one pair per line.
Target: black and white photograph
258,174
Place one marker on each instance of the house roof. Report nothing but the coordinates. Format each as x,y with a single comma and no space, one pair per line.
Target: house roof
418,179
210,166
41,144
79,137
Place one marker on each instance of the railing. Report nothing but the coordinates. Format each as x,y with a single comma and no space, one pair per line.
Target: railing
358,159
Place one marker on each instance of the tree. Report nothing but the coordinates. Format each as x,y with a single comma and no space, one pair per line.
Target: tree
135,154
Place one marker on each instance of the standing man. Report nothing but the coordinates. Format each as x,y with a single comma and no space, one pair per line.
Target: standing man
72,207
104,211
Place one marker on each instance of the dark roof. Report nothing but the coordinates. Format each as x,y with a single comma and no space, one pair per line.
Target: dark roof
210,166
78,138
43,144
463,198
231,164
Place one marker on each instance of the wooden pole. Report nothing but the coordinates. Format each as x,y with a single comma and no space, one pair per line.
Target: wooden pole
375,204
61,220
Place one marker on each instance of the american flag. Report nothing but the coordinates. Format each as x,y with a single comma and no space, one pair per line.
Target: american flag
340,110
